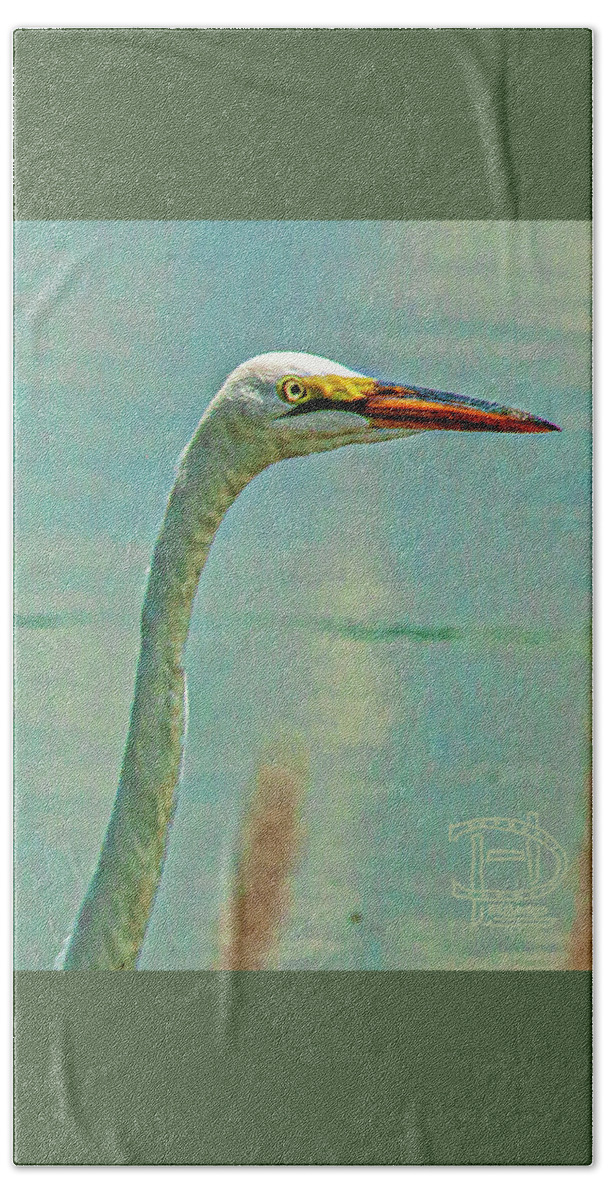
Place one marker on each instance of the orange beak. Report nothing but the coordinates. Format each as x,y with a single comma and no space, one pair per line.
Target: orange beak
393,406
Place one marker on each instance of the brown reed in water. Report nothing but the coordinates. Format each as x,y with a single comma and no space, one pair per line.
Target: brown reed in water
579,947
270,842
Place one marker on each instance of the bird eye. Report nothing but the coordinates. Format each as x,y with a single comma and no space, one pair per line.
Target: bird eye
293,390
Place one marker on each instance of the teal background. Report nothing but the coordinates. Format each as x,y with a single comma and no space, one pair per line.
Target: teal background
415,616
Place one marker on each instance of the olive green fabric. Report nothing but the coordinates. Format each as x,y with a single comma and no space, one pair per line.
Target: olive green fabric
306,123
303,1067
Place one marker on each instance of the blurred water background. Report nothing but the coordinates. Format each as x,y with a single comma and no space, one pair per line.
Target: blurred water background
412,617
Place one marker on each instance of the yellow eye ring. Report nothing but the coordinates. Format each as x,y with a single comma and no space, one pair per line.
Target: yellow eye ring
293,390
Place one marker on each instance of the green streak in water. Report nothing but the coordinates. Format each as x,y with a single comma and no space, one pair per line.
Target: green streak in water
51,620
358,632
393,631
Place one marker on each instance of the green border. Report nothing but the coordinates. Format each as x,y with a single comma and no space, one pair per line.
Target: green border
303,1067
310,124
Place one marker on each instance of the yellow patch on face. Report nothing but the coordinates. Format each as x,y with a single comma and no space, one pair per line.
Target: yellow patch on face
336,389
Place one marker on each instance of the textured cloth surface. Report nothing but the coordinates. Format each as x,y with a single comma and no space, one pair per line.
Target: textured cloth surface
361,920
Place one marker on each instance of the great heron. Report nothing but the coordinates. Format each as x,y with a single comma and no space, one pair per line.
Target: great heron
274,406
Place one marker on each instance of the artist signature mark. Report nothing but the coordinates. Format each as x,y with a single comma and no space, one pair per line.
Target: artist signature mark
513,864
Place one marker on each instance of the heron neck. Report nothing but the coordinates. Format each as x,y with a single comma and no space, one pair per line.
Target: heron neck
109,930
222,458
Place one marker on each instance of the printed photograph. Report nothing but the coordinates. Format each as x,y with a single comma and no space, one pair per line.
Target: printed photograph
303,596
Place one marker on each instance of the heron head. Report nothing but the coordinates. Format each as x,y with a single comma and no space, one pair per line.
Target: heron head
306,404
